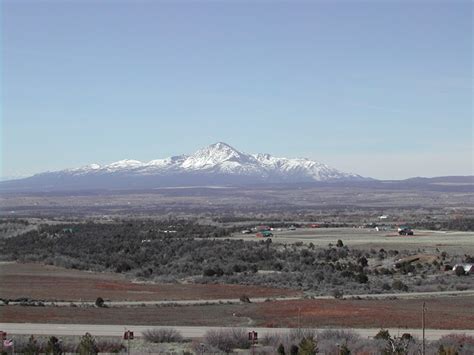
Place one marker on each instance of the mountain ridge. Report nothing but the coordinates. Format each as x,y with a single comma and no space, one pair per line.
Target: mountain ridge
217,163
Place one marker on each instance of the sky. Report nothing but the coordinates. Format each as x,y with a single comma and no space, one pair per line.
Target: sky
378,88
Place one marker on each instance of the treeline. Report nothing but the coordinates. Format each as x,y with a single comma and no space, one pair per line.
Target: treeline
458,224
172,250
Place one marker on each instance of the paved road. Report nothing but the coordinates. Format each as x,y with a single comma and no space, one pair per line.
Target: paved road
188,332
405,295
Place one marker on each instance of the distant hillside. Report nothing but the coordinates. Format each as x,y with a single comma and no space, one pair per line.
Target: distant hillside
444,180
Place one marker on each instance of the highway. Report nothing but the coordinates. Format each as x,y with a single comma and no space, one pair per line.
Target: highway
189,332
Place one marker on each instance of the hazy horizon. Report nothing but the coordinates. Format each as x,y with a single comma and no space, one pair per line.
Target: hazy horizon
382,90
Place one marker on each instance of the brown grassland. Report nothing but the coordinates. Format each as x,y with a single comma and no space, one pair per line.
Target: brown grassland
50,283
443,313
42,282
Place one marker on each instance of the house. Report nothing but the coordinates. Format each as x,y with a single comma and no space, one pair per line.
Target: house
468,268
264,234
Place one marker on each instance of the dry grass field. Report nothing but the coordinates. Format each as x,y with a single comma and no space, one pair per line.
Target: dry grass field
37,281
443,313
45,282
364,238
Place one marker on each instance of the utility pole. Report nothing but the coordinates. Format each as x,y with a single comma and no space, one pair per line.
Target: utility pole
423,311
299,319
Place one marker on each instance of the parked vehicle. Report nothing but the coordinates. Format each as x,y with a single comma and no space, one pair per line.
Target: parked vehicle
405,230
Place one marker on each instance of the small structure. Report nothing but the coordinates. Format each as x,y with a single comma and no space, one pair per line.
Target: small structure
264,234
382,227
262,228
468,268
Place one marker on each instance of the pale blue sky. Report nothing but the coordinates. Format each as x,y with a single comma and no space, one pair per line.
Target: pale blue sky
367,87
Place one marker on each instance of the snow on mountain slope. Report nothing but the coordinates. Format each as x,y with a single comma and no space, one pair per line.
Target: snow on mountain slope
302,167
222,158
218,163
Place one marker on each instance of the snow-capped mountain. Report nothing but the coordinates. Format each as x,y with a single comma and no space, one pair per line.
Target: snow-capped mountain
218,163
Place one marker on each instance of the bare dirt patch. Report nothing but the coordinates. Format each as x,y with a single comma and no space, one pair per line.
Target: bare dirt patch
207,315
45,282
442,313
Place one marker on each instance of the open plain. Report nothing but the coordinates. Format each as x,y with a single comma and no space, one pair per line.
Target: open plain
446,312
368,238
50,283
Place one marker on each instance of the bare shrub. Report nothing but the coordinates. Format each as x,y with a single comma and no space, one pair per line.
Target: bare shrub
110,346
461,339
458,343
162,335
203,348
298,334
399,285
245,299
287,341
54,346
271,339
227,339
329,341
338,336
30,346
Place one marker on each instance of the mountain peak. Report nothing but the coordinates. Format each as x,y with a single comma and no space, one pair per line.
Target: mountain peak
220,148
213,155
218,163
221,145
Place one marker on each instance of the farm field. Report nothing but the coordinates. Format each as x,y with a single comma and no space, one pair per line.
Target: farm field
442,313
363,238
45,282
